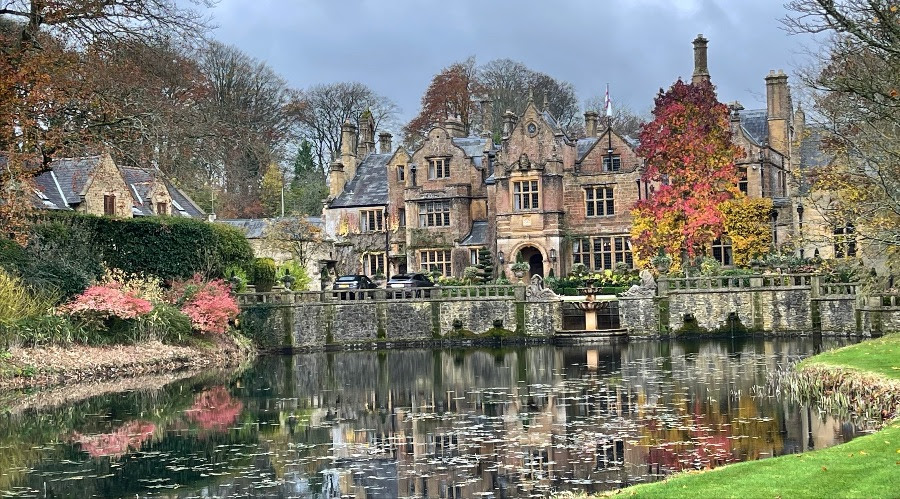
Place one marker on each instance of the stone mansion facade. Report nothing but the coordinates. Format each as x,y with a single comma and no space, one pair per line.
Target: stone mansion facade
538,195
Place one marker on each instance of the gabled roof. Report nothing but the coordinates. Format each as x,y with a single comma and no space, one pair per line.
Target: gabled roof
477,235
755,123
50,192
180,201
65,183
369,187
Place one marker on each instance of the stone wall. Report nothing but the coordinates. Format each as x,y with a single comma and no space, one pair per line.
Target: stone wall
317,324
780,305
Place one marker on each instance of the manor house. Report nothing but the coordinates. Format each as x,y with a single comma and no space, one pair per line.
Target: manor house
538,196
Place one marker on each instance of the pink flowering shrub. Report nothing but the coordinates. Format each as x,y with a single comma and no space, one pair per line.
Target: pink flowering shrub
127,437
209,305
215,409
107,301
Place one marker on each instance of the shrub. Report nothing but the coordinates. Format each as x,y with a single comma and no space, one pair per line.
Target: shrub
520,267
49,330
210,306
165,323
16,302
710,267
263,274
106,302
300,277
237,277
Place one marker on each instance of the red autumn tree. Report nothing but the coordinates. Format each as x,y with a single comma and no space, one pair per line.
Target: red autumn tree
450,95
690,156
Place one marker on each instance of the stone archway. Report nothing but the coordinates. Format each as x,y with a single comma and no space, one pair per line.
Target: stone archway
535,259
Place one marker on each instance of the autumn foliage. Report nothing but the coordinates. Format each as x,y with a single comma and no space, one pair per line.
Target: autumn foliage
748,228
215,409
128,437
209,305
690,157
106,301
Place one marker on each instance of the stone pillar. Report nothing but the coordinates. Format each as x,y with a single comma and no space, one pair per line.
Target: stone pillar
590,319
384,142
701,70
487,118
455,127
590,123
778,110
509,121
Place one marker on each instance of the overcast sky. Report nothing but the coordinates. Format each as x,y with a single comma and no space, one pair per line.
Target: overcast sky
396,46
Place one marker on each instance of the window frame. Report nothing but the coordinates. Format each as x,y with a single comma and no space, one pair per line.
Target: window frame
428,259
371,220
722,251
531,196
603,252
401,173
376,258
438,167
109,205
592,202
429,216
164,208
844,240
616,163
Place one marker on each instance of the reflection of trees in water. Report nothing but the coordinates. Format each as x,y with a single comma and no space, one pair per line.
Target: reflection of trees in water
450,423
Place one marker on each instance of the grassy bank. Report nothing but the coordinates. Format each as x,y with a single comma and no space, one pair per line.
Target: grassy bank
868,466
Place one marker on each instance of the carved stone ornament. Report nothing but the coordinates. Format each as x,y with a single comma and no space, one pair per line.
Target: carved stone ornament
537,292
524,162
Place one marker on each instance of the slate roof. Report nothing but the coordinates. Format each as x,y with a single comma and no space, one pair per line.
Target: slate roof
755,123
369,186
473,148
49,192
139,183
181,202
255,228
550,120
477,236
582,146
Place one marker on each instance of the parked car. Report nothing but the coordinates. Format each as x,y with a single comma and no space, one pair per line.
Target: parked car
352,283
407,281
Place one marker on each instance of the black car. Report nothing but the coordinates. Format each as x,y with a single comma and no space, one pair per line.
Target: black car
406,281
352,283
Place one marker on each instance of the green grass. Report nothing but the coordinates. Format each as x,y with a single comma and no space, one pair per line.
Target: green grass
879,356
867,466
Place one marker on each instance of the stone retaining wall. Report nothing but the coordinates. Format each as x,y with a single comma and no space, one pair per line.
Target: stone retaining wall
317,324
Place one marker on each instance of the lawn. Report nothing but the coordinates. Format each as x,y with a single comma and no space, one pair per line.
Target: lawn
867,466
878,356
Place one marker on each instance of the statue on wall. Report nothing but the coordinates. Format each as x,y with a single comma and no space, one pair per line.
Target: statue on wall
647,287
537,292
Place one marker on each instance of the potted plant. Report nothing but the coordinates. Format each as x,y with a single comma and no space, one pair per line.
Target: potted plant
520,268
264,272
662,262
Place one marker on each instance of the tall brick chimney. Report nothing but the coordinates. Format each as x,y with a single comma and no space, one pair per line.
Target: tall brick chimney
348,150
590,123
778,110
701,70
384,142
487,118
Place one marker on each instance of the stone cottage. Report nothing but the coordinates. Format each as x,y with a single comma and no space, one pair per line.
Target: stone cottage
97,186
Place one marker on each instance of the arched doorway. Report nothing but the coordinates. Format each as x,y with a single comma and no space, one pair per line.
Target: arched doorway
535,260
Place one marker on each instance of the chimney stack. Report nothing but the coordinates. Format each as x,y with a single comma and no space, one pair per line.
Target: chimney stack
701,70
487,118
336,179
590,123
509,122
348,149
778,110
384,142
455,127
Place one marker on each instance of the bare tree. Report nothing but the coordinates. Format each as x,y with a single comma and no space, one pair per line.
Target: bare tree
319,112
508,84
855,85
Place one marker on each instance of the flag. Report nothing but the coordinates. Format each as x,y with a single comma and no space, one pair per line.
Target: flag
608,102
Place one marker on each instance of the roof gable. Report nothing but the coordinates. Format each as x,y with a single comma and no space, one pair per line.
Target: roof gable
369,187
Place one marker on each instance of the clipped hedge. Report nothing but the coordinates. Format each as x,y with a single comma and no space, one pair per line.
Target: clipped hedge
167,247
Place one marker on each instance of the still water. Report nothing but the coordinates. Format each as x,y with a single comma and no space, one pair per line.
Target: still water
516,422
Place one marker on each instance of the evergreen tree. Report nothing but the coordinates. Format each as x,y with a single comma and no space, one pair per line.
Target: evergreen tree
308,185
485,265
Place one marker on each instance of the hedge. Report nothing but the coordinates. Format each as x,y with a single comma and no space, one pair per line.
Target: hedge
167,247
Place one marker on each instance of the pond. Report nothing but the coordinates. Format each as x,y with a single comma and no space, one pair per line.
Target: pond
512,422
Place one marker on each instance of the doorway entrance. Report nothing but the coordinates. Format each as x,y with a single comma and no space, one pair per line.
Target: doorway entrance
535,259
